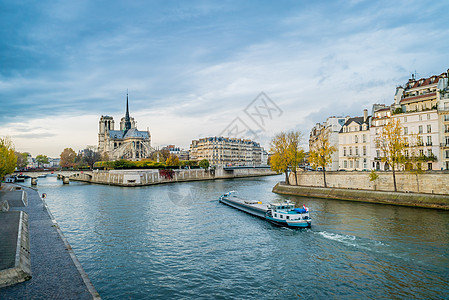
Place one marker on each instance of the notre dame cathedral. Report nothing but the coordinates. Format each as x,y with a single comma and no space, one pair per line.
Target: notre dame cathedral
126,143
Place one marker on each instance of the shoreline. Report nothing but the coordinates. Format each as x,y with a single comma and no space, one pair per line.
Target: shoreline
421,200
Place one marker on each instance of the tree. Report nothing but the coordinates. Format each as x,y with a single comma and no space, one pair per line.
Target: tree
172,160
392,143
67,158
295,154
41,159
160,155
204,164
321,154
280,159
22,159
8,159
373,176
91,156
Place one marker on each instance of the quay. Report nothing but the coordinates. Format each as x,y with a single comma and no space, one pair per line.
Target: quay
383,197
47,267
137,177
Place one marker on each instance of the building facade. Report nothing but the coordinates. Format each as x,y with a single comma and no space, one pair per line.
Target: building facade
354,143
126,143
331,128
227,151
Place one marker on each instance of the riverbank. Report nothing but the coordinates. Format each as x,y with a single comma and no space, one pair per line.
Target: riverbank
382,197
55,271
152,177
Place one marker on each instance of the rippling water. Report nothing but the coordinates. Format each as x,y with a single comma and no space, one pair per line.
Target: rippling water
176,241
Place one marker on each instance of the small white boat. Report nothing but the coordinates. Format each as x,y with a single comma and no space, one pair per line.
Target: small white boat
283,214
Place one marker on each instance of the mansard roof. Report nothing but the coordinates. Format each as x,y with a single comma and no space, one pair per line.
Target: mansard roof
358,120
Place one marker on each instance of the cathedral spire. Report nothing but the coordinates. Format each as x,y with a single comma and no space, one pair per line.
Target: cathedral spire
127,118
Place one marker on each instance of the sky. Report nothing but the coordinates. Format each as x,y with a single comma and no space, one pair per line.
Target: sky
205,68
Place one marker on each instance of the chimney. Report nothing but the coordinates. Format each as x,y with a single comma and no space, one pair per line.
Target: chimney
365,115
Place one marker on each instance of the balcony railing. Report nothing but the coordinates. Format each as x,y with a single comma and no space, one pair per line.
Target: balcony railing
444,145
428,144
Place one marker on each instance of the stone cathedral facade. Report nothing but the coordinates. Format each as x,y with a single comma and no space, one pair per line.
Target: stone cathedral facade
126,143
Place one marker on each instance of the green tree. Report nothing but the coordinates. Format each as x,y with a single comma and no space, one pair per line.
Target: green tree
8,159
279,160
41,159
172,160
392,143
204,164
67,158
320,155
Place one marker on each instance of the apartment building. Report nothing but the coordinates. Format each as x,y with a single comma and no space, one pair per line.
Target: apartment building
354,143
331,128
227,151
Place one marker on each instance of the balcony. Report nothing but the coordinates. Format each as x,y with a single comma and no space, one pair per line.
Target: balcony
428,144
444,145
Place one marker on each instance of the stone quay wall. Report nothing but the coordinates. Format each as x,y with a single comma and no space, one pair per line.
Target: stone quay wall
434,182
150,177
393,198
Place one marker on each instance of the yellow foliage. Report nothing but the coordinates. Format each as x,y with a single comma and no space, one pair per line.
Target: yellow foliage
8,159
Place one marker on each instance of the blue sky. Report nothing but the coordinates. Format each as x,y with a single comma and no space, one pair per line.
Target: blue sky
191,67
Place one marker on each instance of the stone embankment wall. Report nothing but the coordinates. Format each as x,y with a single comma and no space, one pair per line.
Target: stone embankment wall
394,198
435,182
149,177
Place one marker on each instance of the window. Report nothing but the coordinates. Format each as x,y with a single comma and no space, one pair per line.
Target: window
429,141
356,150
377,153
357,164
281,216
420,129
405,119
446,128
344,151
428,116
429,152
351,164
429,128
446,118
447,140
429,166
288,217
364,163
447,153
420,117
364,150
364,138
356,139
345,163
350,150
421,152
405,130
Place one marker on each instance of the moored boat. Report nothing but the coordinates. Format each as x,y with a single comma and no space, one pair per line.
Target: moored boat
283,214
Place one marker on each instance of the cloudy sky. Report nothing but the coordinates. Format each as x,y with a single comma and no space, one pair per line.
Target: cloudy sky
193,67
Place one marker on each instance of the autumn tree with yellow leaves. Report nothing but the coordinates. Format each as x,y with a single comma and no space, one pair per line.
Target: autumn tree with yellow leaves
392,143
287,153
8,158
320,155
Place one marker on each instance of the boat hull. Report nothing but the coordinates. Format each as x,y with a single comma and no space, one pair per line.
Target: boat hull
298,224
248,208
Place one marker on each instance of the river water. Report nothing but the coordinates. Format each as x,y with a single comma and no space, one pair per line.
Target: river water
176,241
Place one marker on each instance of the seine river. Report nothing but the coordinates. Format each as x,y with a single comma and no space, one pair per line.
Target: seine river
176,241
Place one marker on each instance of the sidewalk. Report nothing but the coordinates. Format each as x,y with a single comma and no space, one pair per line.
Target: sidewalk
56,273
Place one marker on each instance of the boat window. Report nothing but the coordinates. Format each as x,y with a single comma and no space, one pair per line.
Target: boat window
282,216
276,215
288,217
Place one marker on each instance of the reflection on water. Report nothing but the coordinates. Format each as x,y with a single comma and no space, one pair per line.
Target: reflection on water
177,241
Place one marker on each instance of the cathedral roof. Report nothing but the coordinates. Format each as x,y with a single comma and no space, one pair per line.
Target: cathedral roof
132,133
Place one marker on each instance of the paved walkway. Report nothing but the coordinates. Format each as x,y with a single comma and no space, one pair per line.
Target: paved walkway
55,275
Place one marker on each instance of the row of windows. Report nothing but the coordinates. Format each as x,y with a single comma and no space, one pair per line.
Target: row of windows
355,164
356,151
